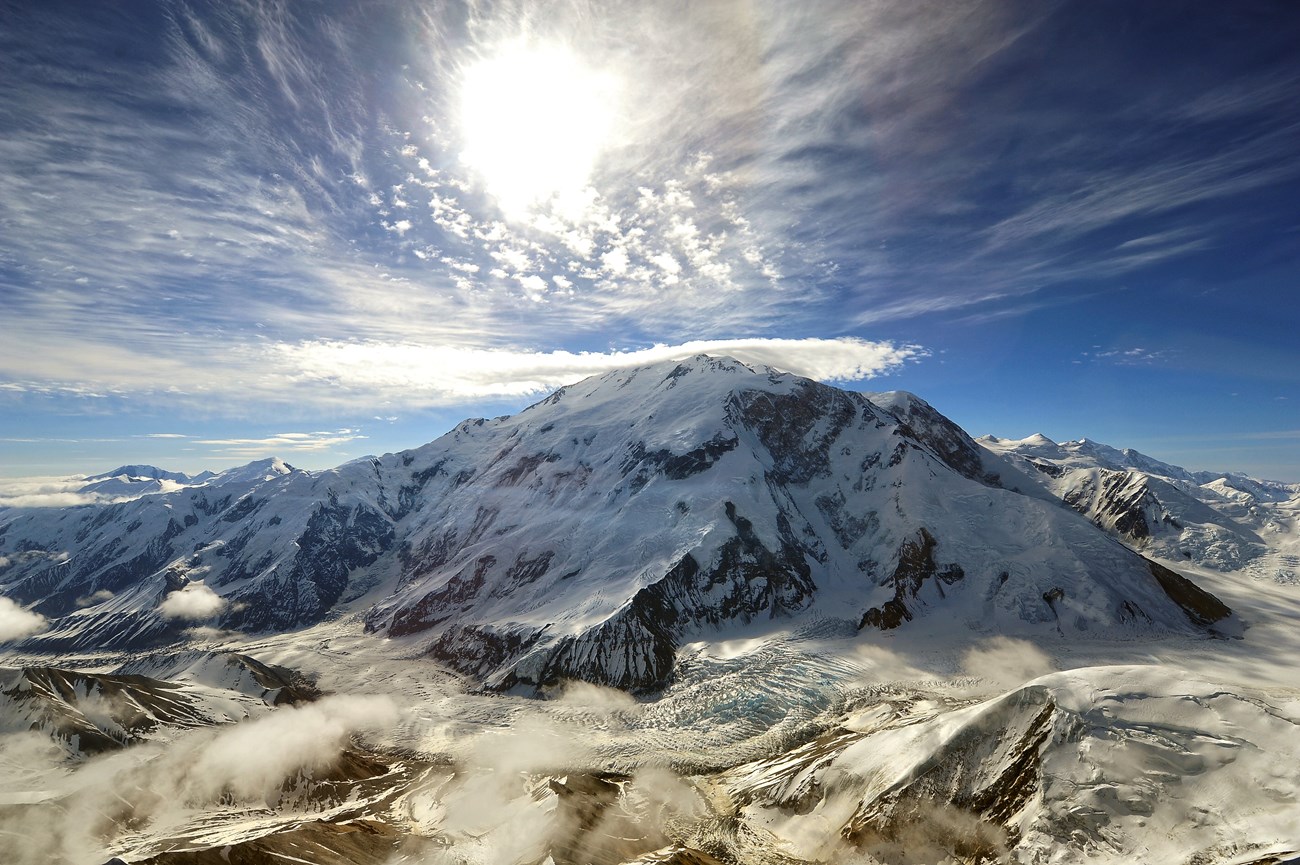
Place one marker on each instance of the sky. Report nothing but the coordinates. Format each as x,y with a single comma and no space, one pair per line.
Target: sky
320,230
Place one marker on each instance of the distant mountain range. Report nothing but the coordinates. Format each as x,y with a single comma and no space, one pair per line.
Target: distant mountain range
1222,520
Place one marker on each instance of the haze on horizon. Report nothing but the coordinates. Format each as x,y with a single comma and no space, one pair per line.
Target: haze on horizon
232,230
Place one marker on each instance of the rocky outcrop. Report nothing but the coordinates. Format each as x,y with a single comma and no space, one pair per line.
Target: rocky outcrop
915,565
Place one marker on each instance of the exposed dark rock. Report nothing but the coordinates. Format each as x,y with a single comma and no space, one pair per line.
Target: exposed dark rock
798,428
849,528
915,565
285,687
1131,612
1123,502
954,804
354,842
337,540
641,465
945,439
636,649
1201,607
524,571
437,606
480,650
101,712
524,467
1049,469
242,509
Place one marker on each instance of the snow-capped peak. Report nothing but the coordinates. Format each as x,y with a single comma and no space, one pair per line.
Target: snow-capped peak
140,472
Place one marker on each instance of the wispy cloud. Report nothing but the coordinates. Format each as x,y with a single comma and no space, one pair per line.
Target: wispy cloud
288,443
279,186
1135,356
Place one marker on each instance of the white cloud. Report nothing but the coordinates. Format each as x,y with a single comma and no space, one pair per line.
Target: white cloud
615,261
97,598
253,758
433,375
45,492
534,285
16,623
50,500
294,442
195,601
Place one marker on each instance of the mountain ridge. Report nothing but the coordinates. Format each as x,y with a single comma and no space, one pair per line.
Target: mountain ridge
592,534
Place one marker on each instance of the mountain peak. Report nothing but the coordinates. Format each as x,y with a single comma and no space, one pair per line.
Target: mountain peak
1038,439
140,471
258,470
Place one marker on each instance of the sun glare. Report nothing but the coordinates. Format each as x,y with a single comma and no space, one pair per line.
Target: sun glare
535,120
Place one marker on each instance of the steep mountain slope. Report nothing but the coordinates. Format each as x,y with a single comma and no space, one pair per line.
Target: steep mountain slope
594,533
275,543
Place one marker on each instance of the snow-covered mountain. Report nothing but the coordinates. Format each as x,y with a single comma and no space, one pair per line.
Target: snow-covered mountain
1107,764
1217,519
139,480
595,533
837,610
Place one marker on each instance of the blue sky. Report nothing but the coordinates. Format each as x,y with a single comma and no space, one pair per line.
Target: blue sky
320,230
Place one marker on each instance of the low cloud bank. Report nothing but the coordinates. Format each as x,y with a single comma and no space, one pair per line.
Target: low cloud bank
16,623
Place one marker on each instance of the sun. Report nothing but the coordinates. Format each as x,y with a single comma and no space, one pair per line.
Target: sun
535,120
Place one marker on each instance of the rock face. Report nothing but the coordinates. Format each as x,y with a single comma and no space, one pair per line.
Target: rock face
593,534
